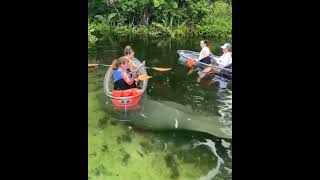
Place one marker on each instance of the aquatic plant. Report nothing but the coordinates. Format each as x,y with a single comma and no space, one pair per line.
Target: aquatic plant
103,122
125,159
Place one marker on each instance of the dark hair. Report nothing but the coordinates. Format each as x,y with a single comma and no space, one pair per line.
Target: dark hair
117,62
206,42
127,50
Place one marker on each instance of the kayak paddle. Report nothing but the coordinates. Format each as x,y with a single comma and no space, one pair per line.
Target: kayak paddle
155,68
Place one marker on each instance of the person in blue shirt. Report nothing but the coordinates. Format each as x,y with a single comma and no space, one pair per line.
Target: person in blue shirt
123,80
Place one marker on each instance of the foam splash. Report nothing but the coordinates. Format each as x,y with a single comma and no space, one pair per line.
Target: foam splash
225,143
211,174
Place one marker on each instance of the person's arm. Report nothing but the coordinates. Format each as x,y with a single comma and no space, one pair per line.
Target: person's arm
219,60
229,60
126,78
200,55
134,69
131,67
225,60
141,65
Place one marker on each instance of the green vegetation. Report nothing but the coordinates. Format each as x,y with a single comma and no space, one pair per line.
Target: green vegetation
91,38
160,18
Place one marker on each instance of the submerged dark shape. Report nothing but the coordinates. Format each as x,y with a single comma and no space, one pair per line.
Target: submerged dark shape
146,147
163,115
125,159
168,115
125,138
140,153
100,170
173,165
105,148
102,123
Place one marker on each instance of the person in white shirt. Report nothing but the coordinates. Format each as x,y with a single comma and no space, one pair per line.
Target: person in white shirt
204,56
226,58
204,53
224,61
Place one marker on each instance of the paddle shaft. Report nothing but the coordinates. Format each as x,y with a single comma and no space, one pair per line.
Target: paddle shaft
107,65
150,67
155,68
210,65
104,65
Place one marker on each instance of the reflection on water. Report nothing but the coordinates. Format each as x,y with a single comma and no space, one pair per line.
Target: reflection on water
119,148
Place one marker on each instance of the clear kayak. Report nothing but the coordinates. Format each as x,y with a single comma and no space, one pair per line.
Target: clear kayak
125,99
187,58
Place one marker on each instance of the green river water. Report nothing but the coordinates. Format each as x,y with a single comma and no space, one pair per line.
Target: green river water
123,150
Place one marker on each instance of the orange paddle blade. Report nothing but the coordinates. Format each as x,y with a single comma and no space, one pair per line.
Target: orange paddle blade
144,77
161,69
190,63
207,69
211,70
215,70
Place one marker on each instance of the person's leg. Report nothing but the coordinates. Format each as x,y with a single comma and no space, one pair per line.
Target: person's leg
201,74
216,70
121,85
214,61
133,85
229,66
116,85
206,60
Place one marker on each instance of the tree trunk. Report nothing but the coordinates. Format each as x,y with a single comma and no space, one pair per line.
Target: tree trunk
146,15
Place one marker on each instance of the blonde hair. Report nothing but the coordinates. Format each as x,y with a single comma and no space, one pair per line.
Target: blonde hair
117,62
127,50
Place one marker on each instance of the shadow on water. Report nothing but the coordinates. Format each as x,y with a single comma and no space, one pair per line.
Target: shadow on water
173,101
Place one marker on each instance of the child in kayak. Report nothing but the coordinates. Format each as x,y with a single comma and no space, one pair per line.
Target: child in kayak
123,79
129,54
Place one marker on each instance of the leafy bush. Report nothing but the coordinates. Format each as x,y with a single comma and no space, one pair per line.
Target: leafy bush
168,18
91,38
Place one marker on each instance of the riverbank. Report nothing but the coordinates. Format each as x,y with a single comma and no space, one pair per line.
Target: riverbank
203,19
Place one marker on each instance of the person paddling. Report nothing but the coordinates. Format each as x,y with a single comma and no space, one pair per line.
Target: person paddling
204,56
205,52
123,80
224,61
129,54
226,58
